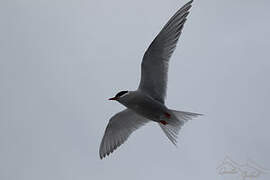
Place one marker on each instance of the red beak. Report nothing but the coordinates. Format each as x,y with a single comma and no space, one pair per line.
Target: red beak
114,98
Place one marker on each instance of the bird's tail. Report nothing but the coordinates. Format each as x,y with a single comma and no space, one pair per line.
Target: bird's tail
171,130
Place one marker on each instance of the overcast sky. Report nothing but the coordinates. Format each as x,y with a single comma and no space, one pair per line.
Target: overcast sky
60,60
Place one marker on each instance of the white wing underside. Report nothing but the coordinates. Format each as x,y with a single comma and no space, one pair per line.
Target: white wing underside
119,128
154,67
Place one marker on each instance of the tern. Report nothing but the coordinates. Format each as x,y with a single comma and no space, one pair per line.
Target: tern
146,104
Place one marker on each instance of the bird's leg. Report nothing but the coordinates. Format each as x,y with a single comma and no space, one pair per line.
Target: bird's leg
167,115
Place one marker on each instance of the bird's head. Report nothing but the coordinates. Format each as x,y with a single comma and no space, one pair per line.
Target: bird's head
120,96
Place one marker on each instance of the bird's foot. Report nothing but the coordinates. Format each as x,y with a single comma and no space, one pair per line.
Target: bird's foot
163,122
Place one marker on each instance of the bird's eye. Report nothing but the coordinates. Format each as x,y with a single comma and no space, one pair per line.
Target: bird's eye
121,93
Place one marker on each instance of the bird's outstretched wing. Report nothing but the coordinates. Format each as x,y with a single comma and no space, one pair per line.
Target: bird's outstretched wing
119,128
155,62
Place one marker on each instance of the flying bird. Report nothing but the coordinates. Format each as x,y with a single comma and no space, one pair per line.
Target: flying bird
147,104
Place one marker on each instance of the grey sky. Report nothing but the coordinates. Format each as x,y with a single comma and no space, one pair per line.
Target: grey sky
61,60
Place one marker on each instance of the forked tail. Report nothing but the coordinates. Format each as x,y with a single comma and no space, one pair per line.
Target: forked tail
172,130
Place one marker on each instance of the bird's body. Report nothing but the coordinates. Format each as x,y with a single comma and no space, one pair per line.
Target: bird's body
147,103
